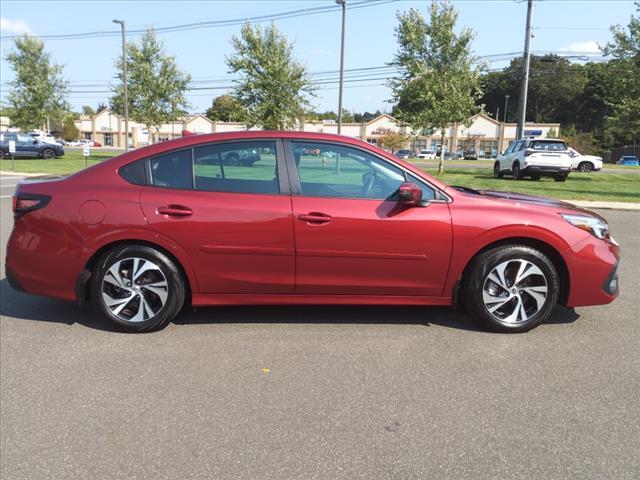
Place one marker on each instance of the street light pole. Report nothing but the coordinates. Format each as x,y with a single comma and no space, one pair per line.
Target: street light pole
522,104
126,96
344,17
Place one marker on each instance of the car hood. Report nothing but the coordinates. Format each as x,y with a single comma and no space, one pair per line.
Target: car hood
557,205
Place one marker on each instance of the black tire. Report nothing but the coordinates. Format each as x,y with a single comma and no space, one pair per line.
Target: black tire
497,173
48,153
562,177
515,171
163,268
585,167
477,280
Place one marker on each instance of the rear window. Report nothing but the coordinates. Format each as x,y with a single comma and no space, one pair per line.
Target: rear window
549,146
133,173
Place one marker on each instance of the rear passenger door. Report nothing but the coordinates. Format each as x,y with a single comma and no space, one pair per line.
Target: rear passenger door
228,206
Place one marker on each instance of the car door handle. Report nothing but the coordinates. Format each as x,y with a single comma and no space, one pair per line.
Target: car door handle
315,217
175,211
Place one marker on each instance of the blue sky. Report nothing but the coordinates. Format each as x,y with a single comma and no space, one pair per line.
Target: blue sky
571,26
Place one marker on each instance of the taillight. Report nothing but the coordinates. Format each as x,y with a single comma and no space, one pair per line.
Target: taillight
28,202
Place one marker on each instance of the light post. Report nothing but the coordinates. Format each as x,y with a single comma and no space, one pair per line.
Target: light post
343,3
522,104
124,75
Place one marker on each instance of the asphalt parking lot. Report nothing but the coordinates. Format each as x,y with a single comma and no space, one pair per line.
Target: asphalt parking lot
326,393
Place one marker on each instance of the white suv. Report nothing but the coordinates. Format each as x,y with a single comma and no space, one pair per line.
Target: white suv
534,157
585,163
426,155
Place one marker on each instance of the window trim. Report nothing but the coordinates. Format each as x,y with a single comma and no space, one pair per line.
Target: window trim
283,184
294,178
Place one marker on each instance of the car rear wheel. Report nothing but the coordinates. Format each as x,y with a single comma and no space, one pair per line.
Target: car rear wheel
511,289
496,170
515,172
562,177
585,167
48,153
138,288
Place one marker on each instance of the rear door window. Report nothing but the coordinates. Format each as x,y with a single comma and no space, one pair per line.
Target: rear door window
241,167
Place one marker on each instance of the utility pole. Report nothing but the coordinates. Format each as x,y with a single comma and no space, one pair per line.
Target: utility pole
343,3
506,102
522,104
124,75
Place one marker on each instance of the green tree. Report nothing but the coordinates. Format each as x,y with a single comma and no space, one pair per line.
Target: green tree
87,110
393,141
274,88
69,129
156,86
101,106
225,108
37,92
438,83
623,122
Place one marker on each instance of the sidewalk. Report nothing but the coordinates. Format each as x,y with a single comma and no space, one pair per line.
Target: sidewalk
579,203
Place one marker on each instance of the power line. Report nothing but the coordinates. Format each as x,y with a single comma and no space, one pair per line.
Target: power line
208,23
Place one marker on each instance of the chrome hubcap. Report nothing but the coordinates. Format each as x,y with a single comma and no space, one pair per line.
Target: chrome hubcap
514,291
134,289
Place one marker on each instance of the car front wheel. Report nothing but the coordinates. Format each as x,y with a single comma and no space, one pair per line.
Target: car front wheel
138,288
511,289
515,172
497,173
585,167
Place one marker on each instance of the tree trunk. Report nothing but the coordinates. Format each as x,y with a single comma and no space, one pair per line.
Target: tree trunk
441,163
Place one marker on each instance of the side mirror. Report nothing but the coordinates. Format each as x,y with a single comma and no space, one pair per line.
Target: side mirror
409,194
35,142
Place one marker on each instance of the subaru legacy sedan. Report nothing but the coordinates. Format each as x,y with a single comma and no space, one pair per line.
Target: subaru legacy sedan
173,225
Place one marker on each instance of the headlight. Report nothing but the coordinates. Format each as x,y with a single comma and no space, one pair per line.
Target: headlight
593,225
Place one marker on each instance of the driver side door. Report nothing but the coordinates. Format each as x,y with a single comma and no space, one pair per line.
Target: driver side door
352,237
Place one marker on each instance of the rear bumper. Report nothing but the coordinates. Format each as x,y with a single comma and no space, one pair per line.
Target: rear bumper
545,170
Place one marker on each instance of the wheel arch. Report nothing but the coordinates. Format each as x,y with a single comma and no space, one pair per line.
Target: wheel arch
82,284
549,250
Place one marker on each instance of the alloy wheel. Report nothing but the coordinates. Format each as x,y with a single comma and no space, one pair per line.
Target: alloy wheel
514,291
134,289
586,167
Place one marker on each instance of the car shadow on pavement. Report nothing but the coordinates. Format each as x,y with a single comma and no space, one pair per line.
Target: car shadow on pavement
30,307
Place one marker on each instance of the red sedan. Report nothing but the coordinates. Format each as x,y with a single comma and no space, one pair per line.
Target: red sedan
147,233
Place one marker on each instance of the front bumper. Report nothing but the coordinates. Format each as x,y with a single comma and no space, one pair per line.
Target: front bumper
593,271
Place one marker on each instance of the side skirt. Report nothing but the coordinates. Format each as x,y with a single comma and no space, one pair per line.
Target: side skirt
201,300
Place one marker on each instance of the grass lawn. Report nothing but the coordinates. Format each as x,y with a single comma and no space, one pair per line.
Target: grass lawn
70,163
579,186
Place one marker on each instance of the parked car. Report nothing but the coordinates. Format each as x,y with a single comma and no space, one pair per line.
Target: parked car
471,155
403,153
584,163
146,233
75,143
426,154
630,160
533,157
451,155
44,137
28,147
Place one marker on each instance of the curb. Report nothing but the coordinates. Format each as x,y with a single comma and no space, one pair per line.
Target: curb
605,205
9,173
